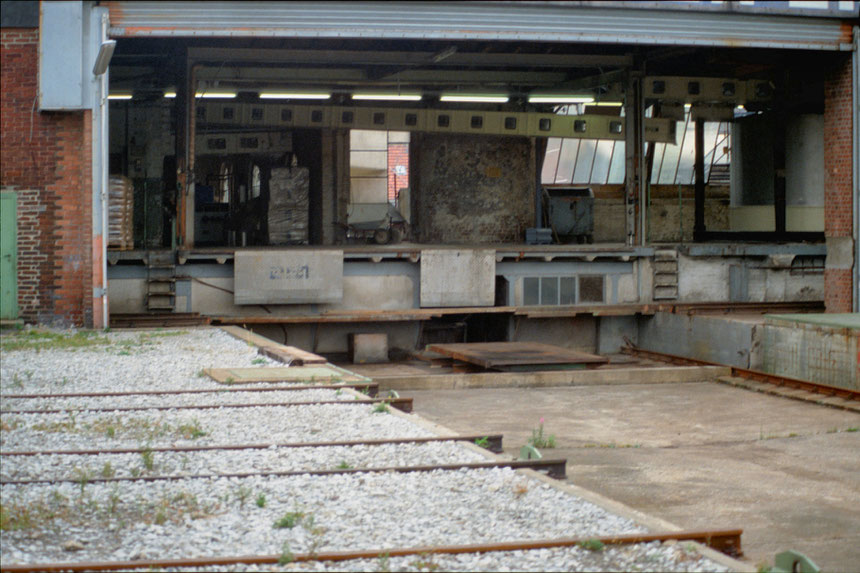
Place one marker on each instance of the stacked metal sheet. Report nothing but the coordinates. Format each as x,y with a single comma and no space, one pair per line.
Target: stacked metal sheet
121,213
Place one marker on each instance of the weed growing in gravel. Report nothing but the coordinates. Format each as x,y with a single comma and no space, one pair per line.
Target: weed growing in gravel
110,432
286,555
316,534
259,360
483,442
852,429
242,493
261,500
381,408
592,545
191,431
108,471
39,340
425,562
82,477
539,440
148,459
229,380
9,424
383,563
289,520
344,466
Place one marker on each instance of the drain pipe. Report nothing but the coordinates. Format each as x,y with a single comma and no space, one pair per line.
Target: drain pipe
855,170
105,182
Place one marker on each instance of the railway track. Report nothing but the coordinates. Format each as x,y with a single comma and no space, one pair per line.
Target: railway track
824,394
108,480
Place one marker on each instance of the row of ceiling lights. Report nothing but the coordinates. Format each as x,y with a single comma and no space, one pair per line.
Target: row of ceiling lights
476,97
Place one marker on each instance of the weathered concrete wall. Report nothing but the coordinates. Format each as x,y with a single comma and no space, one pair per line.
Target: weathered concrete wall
668,221
734,341
334,338
811,350
458,277
472,189
579,333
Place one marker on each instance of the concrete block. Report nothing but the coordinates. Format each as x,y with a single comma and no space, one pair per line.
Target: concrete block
368,348
288,277
451,278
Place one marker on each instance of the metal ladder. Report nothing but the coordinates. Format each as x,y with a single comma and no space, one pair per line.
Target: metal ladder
161,281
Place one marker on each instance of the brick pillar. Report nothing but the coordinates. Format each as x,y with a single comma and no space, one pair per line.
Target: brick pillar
47,161
398,155
839,272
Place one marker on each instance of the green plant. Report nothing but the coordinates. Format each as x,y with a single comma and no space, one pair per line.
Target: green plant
483,442
852,429
316,534
286,555
242,494
148,459
108,471
381,408
539,439
383,563
289,520
261,500
258,360
191,431
229,380
110,432
344,466
425,561
592,545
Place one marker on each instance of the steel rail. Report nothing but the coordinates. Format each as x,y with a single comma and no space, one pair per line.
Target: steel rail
554,468
371,386
727,541
493,444
778,380
402,404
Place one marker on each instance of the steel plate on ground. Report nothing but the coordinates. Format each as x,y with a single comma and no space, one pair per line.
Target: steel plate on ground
508,354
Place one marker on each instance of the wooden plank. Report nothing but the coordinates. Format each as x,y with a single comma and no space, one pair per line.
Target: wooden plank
501,354
291,355
320,373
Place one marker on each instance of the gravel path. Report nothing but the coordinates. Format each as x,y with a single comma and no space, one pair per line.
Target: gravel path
194,517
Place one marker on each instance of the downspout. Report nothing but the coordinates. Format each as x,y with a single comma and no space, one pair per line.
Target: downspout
103,145
855,169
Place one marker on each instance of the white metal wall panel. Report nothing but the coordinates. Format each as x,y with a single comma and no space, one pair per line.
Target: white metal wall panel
61,48
526,21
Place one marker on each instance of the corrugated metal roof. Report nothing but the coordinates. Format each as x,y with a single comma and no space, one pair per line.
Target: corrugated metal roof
526,21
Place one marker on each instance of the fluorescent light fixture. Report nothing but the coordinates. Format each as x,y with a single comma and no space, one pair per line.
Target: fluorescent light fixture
559,98
106,49
120,96
216,95
170,94
475,98
387,96
740,108
687,106
294,95
609,104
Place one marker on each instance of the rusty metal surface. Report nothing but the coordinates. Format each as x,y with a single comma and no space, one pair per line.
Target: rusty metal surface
402,404
776,379
494,444
726,540
162,320
554,468
502,354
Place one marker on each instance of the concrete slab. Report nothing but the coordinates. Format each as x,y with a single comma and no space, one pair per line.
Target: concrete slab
699,455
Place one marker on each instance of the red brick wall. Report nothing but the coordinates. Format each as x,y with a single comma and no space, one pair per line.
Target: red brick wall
47,160
838,207
398,154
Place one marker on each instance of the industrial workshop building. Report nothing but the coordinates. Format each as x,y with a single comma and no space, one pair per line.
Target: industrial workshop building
434,171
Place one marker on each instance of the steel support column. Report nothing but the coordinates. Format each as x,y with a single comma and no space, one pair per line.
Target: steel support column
699,221
633,141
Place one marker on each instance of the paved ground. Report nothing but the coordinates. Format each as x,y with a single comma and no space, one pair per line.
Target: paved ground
700,455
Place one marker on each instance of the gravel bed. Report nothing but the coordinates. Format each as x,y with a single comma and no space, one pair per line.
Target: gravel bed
77,467
128,361
655,556
359,511
224,397
166,428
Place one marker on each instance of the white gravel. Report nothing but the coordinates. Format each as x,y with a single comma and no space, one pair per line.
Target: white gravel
194,517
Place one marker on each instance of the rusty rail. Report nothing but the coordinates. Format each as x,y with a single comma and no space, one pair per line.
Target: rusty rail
554,468
778,380
494,444
372,387
402,404
727,541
